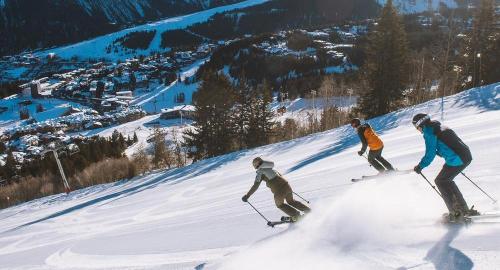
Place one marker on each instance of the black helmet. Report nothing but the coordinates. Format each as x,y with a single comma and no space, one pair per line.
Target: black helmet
355,122
420,119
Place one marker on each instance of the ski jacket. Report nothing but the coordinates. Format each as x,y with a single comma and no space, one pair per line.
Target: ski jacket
265,172
369,138
435,137
273,179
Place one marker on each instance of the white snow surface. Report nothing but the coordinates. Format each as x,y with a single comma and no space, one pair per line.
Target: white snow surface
96,48
193,218
52,108
416,6
302,109
162,96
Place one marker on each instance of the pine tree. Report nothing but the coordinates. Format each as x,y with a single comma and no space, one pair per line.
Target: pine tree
266,114
241,115
121,141
260,123
116,144
2,148
386,65
10,169
136,139
212,134
491,61
132,81
482,50
161,154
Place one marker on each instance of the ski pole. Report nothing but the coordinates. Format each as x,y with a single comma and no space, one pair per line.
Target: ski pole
433,187
494,201
368,160
259,212
301,197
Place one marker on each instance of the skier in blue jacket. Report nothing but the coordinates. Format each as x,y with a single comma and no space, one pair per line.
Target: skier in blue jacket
444,142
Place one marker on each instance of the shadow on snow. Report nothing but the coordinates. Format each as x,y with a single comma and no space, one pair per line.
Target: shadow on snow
171,177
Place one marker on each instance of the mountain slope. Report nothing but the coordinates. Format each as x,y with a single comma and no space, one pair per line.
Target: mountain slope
42,23
415,6
193,218
97,47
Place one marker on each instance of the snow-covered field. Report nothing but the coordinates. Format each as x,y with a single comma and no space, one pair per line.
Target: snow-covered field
52,108
96,48
162,97
193,218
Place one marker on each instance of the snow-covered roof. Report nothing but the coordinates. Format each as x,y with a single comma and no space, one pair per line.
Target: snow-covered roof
189,108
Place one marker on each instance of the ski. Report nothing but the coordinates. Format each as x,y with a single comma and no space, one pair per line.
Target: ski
460,221
485,216
284,220
276,223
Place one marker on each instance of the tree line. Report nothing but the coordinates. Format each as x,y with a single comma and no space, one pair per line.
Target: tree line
452,58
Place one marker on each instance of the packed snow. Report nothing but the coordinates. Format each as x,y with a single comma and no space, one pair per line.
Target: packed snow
193,217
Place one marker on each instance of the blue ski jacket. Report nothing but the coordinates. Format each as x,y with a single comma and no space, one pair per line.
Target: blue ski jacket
433,147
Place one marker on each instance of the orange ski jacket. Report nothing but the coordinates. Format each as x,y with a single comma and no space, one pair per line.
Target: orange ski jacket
369,138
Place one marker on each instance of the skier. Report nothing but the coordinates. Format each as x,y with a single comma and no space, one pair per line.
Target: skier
444,142
369,138
279,187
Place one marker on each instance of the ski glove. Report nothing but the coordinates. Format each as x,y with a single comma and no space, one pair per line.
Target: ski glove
417,169
360,153
245,198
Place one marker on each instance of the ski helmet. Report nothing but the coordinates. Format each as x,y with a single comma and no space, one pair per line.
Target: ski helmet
257,162
420,119
355,122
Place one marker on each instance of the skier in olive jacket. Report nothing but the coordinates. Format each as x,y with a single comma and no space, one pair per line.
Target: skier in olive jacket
369,138
279,187
444,142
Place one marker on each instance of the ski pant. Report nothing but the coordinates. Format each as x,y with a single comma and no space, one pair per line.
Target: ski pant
452,196
283,192
378,162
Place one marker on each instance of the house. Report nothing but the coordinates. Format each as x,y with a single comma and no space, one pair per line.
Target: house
124,93
36,89
184,111
180,98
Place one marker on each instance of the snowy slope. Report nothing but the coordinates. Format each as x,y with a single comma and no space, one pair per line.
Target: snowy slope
96,48
193,218
162,97
415,6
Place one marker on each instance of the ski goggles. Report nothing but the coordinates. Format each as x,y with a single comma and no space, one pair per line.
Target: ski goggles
419,122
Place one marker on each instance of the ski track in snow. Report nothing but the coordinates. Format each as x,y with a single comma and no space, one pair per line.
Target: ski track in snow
193,217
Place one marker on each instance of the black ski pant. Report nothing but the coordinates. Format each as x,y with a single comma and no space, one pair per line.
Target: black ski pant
452,196
378,162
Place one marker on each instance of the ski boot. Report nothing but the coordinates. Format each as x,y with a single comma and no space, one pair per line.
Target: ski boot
291,219
455,217
472,212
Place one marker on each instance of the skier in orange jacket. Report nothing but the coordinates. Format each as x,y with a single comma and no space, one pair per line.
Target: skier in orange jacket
370,139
